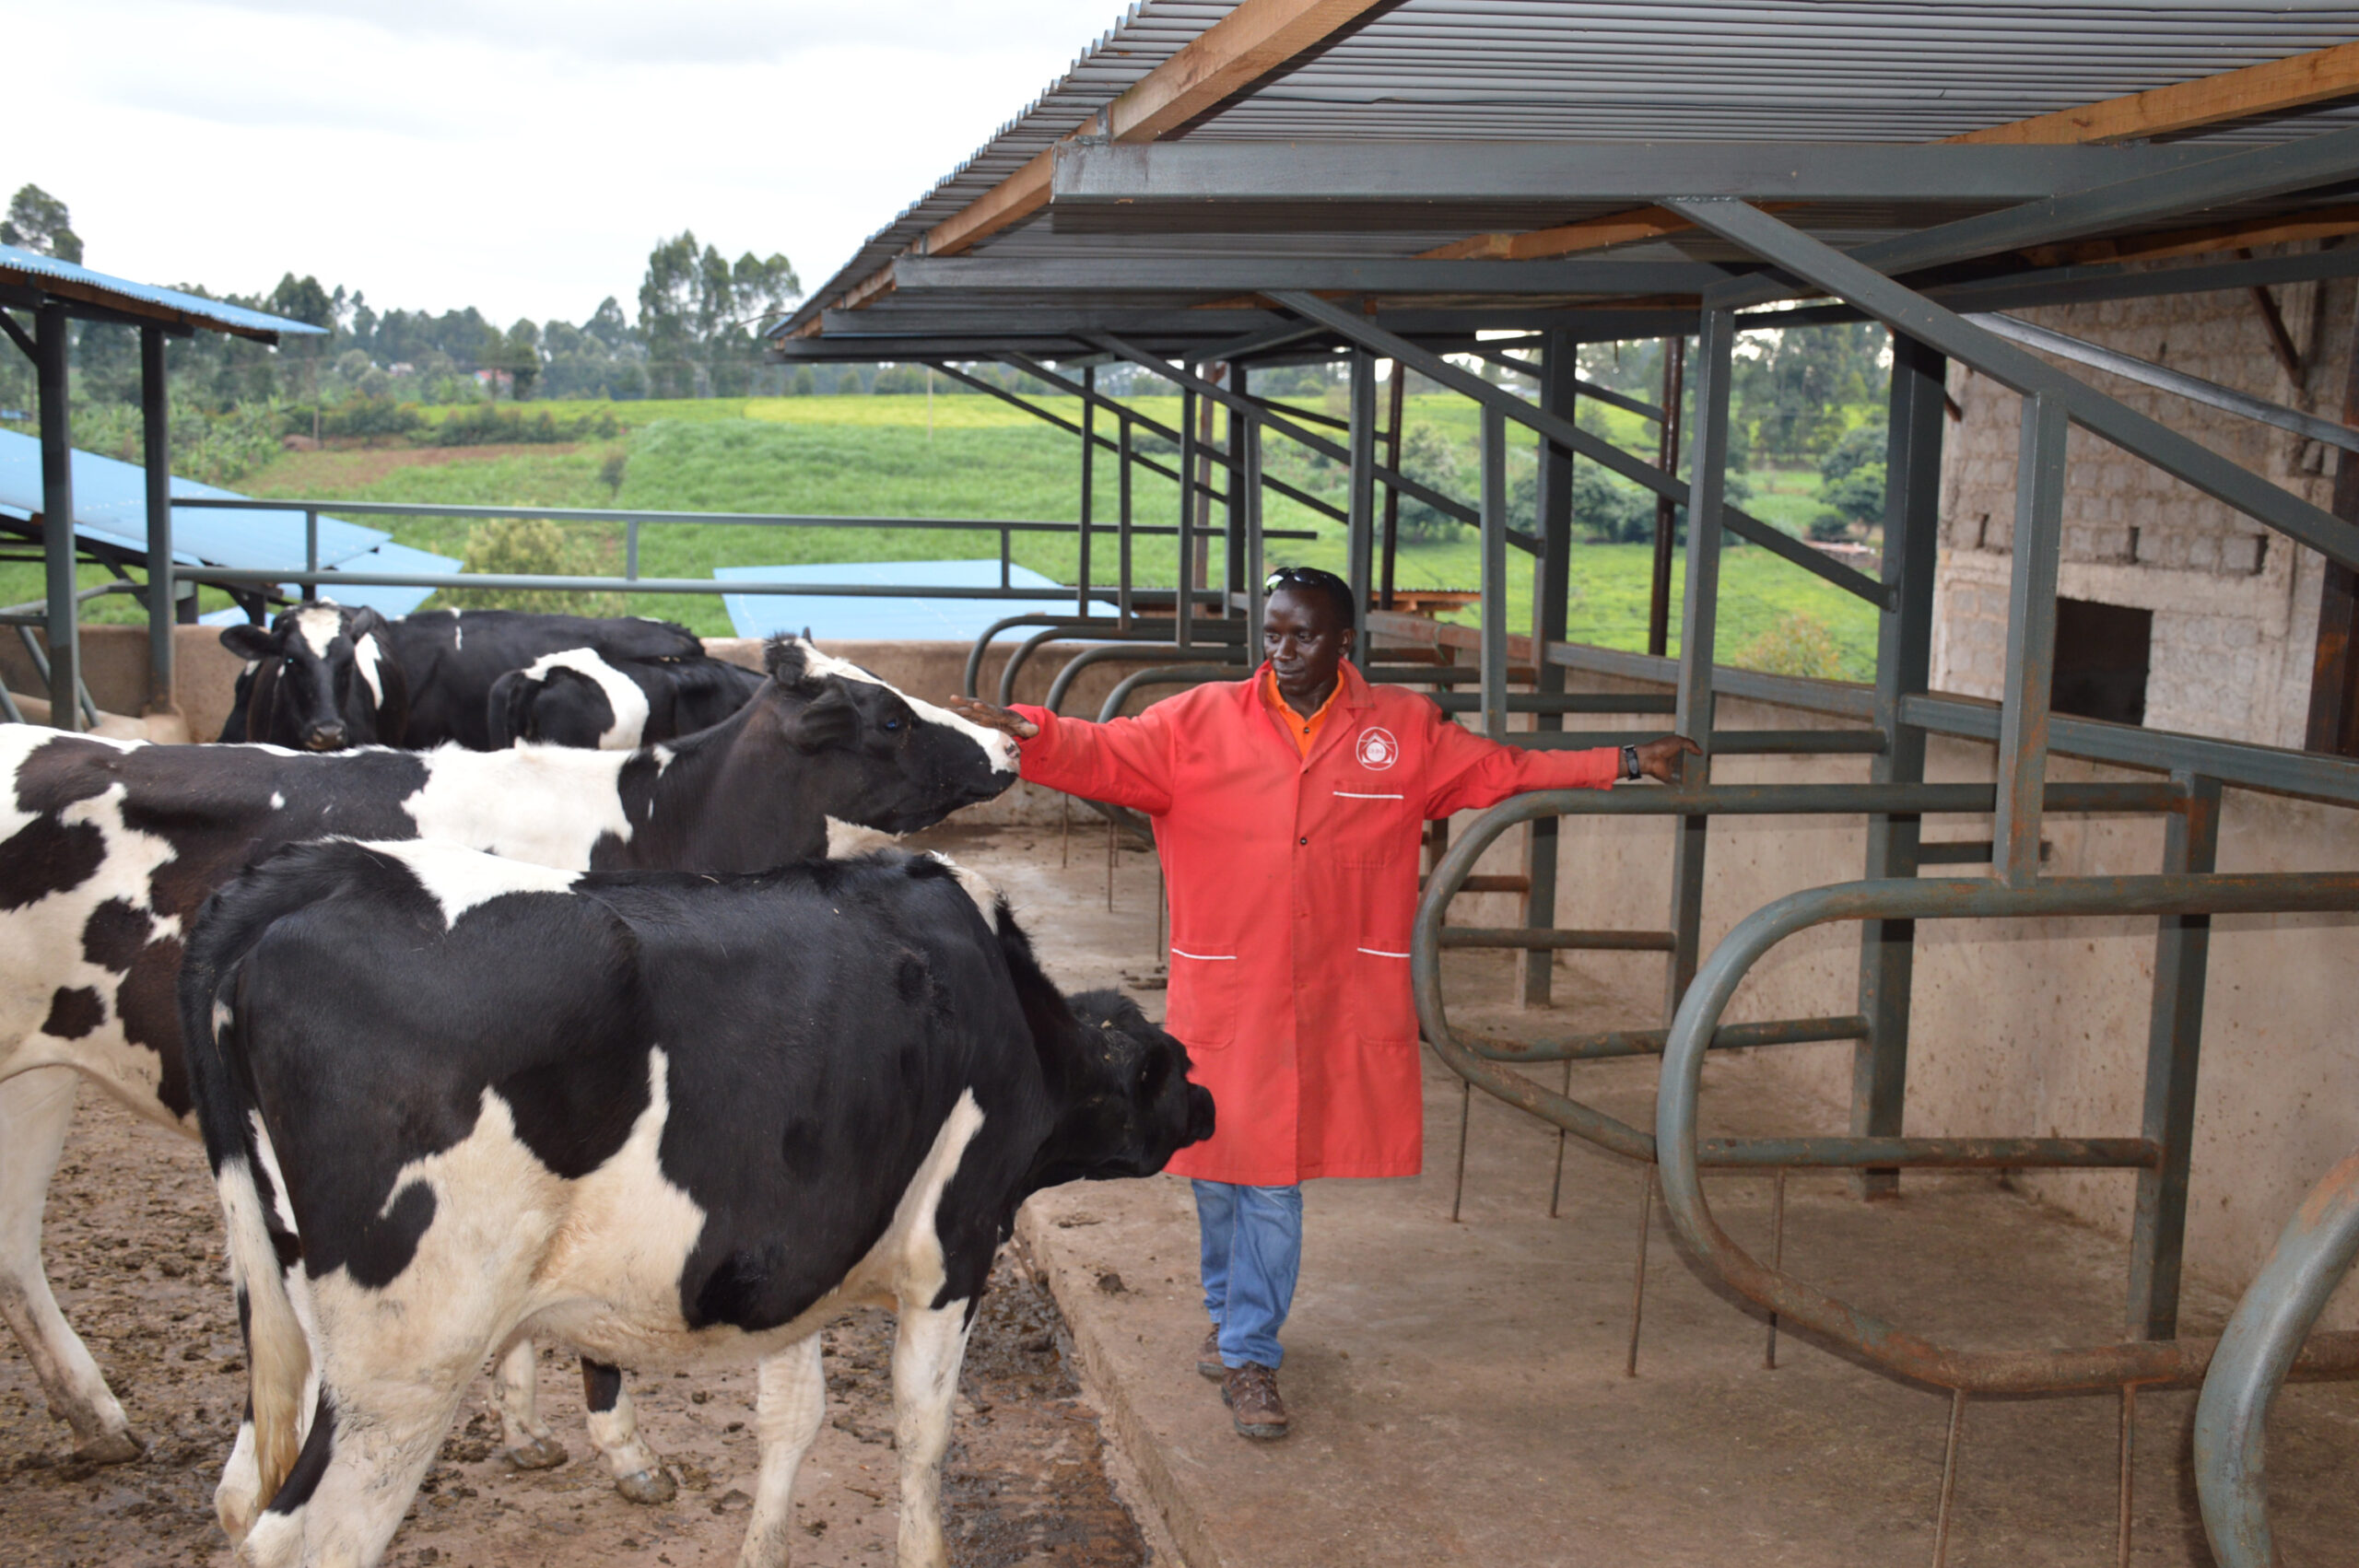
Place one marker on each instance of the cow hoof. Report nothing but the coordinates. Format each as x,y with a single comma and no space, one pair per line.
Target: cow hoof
540,1454
114,1448
648,1486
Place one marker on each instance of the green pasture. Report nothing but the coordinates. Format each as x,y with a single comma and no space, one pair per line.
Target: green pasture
971,456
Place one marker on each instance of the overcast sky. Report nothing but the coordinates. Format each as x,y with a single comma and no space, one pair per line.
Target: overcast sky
522,156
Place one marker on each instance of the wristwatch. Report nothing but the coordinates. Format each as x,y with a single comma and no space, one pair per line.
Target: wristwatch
1630,763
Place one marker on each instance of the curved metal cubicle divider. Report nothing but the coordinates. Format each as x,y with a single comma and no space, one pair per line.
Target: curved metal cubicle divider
1682,1155
2263,1345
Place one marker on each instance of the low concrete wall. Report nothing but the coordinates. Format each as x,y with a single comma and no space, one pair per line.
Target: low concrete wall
2021,1027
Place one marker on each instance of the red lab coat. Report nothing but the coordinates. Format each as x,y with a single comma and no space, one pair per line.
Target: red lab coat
1293,884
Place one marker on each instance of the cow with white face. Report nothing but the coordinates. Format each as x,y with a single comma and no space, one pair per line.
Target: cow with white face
531,1101
107,848
320,679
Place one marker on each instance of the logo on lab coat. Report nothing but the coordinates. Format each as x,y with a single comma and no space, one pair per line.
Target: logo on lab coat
1377,749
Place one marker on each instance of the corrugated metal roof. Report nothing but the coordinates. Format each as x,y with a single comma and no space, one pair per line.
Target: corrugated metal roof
141,298
1624,71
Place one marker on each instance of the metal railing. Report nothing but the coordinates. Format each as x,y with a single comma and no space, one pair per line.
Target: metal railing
2263,1345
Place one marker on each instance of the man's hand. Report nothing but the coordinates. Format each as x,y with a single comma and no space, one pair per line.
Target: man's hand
991,716
1659,759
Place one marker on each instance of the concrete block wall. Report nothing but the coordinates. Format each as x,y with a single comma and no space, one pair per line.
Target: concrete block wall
2235,606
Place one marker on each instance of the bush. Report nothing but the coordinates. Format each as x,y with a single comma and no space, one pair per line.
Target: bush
1829,527
1858,495
365,416
482,425
612,469
530,546
1427,457
1798,645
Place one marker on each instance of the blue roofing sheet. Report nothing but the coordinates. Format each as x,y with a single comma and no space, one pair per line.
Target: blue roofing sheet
889,620
111,507
213,313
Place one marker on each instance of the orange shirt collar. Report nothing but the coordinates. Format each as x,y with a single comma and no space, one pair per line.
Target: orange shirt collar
1303,732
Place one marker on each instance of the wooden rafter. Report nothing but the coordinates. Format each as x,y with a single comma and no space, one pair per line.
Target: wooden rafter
2267,89
1540,244
2318,223
1254,39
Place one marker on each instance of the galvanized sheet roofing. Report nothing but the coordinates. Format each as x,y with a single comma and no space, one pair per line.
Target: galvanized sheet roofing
140,298
1631,70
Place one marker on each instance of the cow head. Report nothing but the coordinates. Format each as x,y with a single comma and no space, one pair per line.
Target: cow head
885,759
1128,1105
322,679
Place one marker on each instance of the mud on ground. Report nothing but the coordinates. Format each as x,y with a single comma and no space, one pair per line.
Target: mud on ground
133,1244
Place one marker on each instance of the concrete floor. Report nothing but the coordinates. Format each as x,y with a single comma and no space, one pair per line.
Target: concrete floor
1458,1389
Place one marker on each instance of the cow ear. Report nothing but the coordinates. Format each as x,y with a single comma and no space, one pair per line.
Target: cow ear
363,622
249,641
828,719
783,656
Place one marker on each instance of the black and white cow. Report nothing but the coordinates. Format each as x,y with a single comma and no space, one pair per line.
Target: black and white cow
670,1121
319,678
575,697
481,678
107,847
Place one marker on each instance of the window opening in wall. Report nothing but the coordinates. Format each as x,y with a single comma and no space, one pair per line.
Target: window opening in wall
2102,654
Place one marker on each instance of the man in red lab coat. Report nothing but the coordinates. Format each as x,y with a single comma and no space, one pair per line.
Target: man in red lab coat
1287,808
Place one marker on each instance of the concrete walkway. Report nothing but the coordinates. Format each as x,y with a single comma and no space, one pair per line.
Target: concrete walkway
1458,1389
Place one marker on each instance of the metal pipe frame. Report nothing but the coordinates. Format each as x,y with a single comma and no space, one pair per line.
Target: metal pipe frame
50,340
2257,1349
1097,629
1161,675
1109,653
155,443
1681,1155
1560,385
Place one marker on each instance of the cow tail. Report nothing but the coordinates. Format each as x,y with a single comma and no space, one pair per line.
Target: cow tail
266,1247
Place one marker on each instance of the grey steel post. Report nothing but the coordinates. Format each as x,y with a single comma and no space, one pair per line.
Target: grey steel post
1244,490
1551,588
1245,433
310,548
1904,667
1674,374
1360,531
2174,1048
1493,581
1089,481
630,549
1122,522
1185,611
51,327
1708,482
1395,396
155,426
2031,638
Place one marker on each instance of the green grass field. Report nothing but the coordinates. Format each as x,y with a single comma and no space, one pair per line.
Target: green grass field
970,456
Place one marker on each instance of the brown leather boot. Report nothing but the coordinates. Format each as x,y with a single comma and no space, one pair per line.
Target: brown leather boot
1208,1362
1250,1392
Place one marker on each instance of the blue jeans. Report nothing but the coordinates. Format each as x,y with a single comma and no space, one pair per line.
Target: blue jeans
1253,1251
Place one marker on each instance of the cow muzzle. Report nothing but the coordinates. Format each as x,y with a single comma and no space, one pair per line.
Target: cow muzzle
326,737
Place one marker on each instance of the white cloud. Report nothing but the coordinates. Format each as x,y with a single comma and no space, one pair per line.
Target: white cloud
519,156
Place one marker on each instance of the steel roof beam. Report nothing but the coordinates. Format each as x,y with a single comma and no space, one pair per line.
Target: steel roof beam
1356,275
1444,174
2239,177
1912,314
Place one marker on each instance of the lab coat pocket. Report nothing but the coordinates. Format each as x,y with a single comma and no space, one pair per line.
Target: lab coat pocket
1202,1006
1371,827
1384,1010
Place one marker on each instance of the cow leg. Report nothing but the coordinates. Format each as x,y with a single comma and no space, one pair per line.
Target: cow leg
359,1471
516,1386
639,1476
792,1398
36,1108
927,1349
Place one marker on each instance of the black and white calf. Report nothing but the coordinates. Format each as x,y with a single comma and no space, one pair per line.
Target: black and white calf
670,1121
483,679
107,848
